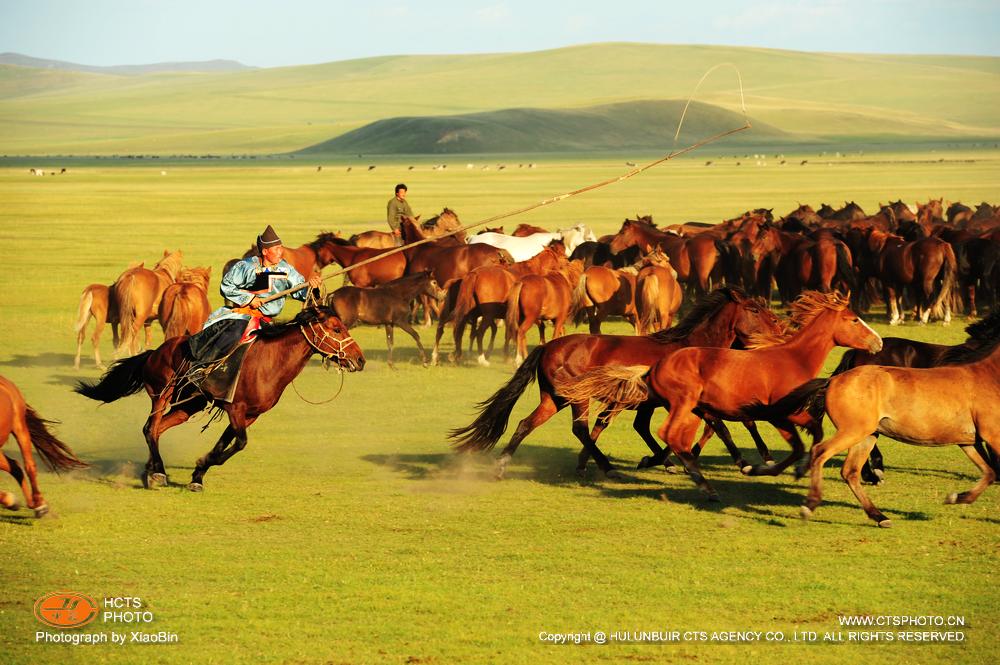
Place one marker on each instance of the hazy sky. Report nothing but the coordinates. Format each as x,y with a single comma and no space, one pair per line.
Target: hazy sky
271,33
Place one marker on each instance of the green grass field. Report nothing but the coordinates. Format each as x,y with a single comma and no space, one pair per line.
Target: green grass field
348,533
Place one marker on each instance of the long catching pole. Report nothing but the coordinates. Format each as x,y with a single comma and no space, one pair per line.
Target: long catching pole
555,199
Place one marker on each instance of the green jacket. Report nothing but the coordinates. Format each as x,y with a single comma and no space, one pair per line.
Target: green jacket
394,209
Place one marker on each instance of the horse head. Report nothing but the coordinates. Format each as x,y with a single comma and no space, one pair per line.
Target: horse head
328,336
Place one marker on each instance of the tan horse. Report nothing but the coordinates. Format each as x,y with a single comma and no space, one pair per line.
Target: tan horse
603,292
537,298
19,419
138,292
184,307
657,294
97,302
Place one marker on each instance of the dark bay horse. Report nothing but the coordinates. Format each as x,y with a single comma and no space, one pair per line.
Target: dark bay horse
385,305
722,383
719,319
927,268
19,419
947,405
279,354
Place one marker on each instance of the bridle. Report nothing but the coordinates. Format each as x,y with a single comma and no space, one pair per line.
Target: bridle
324,339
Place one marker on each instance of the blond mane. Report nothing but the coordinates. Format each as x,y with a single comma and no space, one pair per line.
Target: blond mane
805,309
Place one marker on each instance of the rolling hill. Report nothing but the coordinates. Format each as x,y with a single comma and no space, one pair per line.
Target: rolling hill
628,125
123,70
832,97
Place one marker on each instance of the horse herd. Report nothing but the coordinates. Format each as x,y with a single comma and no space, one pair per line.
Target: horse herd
730,358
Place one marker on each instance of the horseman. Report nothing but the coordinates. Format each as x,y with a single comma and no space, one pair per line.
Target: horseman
247,284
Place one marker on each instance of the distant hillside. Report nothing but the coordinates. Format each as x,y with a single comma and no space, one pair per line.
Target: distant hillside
830,97
640,125
124,70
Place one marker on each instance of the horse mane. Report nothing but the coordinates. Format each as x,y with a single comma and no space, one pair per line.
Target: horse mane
405,285
984,337
171,264
706,307
305,317
199,276
328,236
805,309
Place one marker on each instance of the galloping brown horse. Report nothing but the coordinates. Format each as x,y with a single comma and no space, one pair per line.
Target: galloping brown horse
19,419
603,292
726,383
138,292
537,298
723,317
273,361
956,404
184,307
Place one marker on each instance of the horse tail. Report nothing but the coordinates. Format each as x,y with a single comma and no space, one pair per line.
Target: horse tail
122,379
56,454
126,310
946,284
845,267
648,298
83,310
809,397
465,301
513,318
618,387
581,301
181,311
484,432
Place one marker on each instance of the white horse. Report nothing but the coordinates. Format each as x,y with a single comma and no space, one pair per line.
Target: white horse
521,249
575,236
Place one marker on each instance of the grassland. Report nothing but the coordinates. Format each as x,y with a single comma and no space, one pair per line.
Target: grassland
348,533
817,95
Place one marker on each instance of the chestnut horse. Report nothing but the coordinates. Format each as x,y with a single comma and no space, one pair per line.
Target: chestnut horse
537,298
344,254
955,404
603,292
641,233
97,301
729,384
721,318
658,295
138,292
482,294
184,307
19,419
278,355
927,267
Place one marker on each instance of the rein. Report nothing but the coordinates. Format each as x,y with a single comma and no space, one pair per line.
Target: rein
340,354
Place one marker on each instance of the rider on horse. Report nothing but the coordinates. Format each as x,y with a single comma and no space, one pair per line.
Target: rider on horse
246,284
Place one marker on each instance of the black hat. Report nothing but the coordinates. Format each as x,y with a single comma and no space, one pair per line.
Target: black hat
268,238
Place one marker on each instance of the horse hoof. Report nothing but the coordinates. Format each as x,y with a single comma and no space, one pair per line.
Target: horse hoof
675,470
805,512
483,362
154,480
196,487
612,474
747,470
951,498
879,476
42,510
885,523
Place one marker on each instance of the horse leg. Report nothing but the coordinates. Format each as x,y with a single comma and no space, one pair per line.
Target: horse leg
873,470
547,407
851,473
719,427
643,417
789,433
678,431
388,342
148,326
493,338
581,430
8,500
541,334
594,320
155,474
844,438
437,341
480,333
96,341
987,479
891,306
416,338
30,475
238,424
